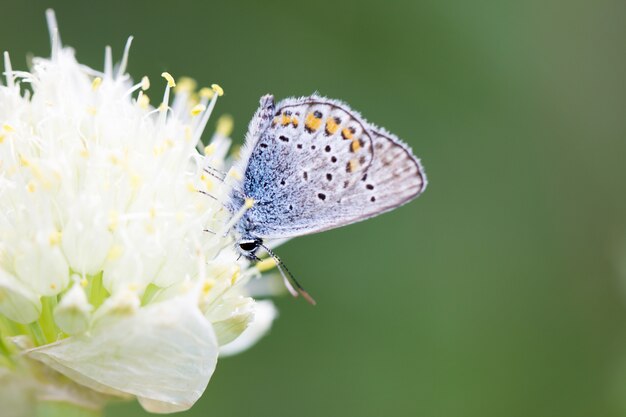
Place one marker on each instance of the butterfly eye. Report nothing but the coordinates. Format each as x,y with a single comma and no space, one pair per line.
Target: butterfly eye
248,245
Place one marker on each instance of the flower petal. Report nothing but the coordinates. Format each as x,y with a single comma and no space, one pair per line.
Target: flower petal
17,302
264,315
231,318
164,354
73,312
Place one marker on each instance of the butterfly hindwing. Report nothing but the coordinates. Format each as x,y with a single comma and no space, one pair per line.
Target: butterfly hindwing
318,165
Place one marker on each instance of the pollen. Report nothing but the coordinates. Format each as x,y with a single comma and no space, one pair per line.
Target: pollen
219,90
170,80
115,253
143,100
186,84
210,149
234,173
145,83
23,161
30,187
225,125
7,128
207,286
206,93
54,238
235,277
266,264
96,83
197,109
135,181
114,220
249,202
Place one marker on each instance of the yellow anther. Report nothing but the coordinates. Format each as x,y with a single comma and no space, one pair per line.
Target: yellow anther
235,277
249,202
115,253
186,84
84,153
208,183
234,173
162,107
197,109
225,125
7,128
207,93
143,100
170,80
135,181
150,228
266,264
152,212
219,90
53,286
30,187
145,83
84,282
114,219
191,187
207,286
96,83
2,138
92,110
210,149
55,238
23,161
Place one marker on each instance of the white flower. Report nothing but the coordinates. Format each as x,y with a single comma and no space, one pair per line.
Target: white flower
107,274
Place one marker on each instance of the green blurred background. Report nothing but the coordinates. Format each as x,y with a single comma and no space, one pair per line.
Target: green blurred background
501,291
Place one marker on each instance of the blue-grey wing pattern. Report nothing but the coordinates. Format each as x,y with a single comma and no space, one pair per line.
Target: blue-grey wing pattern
317,165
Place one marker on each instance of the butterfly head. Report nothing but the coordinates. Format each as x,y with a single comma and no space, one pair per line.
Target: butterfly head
248,246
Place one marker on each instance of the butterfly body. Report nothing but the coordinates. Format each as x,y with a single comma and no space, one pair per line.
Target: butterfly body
312,164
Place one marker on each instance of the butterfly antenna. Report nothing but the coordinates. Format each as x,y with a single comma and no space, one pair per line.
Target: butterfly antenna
290,280
215,173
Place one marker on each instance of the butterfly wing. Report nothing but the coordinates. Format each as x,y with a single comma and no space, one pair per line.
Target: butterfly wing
318,165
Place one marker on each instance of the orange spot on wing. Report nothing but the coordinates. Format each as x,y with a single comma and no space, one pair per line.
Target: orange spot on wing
285,120
312,123
355,146
331,126
347,133
294,121
352,166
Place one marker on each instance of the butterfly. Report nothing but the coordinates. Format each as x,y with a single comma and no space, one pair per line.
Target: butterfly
312,164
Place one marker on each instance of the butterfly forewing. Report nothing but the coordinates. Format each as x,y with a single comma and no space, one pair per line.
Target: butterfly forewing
318,165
